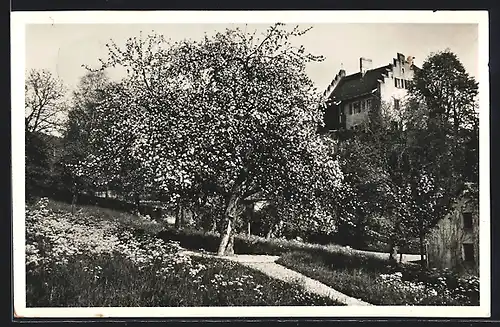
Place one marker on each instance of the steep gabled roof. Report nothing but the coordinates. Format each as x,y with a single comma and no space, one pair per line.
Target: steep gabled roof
355,85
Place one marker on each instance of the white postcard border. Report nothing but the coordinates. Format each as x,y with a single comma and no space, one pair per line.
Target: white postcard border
20,19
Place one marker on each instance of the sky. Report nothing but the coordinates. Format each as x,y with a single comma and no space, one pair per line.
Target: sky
64,48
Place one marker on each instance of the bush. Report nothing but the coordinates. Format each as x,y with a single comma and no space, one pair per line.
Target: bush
464,289
37,162
191,239
243,244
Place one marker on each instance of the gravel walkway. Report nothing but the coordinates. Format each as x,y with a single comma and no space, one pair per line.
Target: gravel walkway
266,264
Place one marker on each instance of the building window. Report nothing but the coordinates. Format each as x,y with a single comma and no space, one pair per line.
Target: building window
356,107
368,104
468,252
398,82
467,218
396,104
363,106
350,108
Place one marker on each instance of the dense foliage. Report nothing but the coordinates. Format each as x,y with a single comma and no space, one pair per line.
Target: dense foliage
406,168
224,132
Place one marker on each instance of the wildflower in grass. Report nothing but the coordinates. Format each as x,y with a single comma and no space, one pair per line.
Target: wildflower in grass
54,238
60,246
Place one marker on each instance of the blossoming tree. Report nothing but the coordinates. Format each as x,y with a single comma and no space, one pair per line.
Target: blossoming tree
231,116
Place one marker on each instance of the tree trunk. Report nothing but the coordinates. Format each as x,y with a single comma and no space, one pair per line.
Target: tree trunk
181,217
393,253
269,232
422,251
73,203
213,228
227,241
138,204
400,257
226,245
230,246
178,222
250,213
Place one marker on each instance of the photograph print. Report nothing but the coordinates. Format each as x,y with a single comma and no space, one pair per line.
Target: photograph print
243,167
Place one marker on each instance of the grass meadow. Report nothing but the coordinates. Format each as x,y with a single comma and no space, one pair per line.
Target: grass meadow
103,257
98,257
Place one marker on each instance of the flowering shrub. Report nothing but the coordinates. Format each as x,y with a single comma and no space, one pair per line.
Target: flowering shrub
55,238
411,292
81,260
443,289
462,289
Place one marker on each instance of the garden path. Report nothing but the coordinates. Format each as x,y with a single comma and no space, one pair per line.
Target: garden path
267,265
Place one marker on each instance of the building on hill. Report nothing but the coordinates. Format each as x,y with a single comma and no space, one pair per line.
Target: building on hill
454,242
349,98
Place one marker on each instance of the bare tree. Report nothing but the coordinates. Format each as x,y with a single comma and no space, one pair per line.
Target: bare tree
44,102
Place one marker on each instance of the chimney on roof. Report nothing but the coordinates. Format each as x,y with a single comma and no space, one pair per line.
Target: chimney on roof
410,60
364,65
401,58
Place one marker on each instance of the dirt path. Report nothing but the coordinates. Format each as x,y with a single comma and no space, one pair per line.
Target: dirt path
267,265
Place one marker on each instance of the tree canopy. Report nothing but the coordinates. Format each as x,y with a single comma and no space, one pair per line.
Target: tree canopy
44,102
231,116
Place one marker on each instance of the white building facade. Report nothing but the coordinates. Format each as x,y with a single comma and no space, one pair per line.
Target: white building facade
349,98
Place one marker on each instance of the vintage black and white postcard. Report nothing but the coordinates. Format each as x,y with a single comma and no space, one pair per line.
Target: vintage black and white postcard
251,164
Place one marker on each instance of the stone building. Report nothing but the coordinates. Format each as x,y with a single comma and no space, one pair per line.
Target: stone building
350,97
454,242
